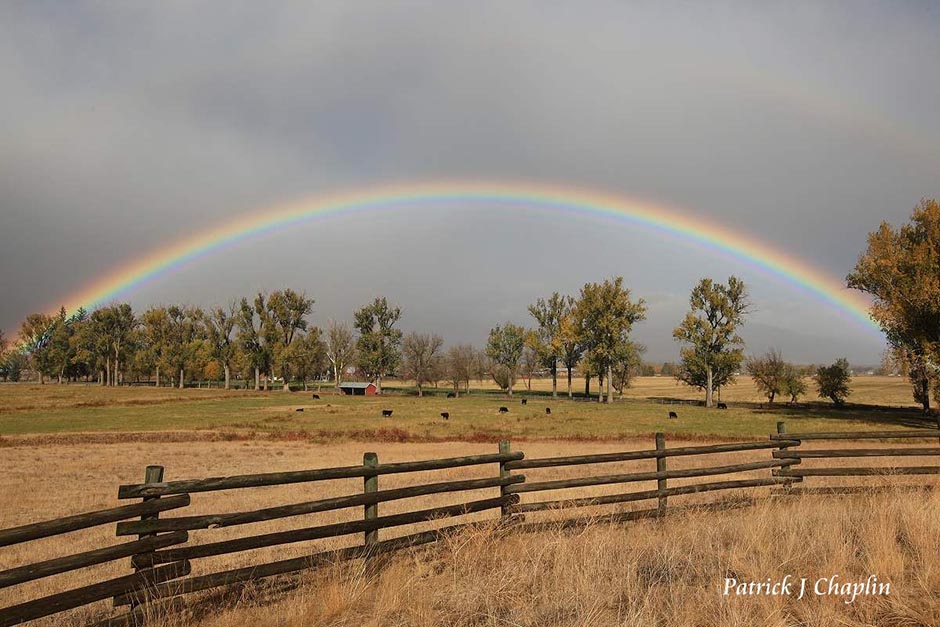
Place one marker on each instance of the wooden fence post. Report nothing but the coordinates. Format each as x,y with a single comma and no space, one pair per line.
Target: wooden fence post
503,473
152,474
371,511
661,468
781,430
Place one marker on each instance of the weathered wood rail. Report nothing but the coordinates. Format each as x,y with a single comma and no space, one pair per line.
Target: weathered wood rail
800,472
164,555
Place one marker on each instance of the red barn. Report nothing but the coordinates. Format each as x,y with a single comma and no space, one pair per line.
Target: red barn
359,389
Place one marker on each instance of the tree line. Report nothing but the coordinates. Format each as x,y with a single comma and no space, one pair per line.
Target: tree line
269,338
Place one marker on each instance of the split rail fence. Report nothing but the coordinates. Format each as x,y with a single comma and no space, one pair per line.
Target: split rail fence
164,555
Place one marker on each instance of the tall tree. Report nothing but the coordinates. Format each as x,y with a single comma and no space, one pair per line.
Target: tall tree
379,344
340,349
251,337
420,352
220,323
768,372
504,347
184,340
307,355
35,333
605,315
531,361
459,366
899,269
711,329
571,348
549,313
120,323
61,348
154,331
286,315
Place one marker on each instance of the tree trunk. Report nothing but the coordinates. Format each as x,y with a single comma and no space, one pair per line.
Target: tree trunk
420,391
336,380
554,379
107,370
600,387
570,393
228,377
708,390
587,385
181,378
257,378
158,376
610,388
378,384
510,384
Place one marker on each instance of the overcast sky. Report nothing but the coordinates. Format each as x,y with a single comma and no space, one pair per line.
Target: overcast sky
124,126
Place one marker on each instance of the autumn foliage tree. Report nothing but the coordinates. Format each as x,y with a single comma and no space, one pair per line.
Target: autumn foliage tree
605,315
900,269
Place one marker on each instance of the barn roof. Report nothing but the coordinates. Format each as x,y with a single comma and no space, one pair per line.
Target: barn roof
355,385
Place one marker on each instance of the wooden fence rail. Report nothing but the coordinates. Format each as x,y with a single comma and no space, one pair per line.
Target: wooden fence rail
163,554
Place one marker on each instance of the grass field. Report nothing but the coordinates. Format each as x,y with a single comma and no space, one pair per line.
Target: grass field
73,445
658,572
69,409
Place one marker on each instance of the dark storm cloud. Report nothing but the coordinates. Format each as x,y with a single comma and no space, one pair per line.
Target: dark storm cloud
123,127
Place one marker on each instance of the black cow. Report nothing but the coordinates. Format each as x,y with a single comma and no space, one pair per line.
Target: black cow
299,409
316,397
548,410
386,412
504,410
451,395
673,414
445,415
525,401
722,406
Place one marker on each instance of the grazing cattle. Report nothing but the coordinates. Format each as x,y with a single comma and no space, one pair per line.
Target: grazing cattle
548,410
445,415
451,395
299,409
504,410
316,397
722,406
386,412
525,401
673,414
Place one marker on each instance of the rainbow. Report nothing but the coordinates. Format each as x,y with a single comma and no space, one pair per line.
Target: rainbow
657,217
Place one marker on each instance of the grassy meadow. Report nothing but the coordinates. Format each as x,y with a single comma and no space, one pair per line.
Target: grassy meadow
33,410
661,572
74,444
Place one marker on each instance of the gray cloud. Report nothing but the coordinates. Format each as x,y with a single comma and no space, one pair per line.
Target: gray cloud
124,127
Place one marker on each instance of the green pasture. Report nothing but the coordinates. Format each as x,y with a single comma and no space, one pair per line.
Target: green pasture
55,409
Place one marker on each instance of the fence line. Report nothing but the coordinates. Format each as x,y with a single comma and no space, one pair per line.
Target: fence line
163,557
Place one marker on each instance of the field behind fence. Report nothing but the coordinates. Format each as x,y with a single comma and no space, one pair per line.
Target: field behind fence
187,536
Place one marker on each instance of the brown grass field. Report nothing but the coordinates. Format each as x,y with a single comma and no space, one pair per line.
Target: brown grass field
650,572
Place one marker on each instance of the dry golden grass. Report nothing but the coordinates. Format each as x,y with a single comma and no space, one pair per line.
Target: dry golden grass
660,572
668,572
